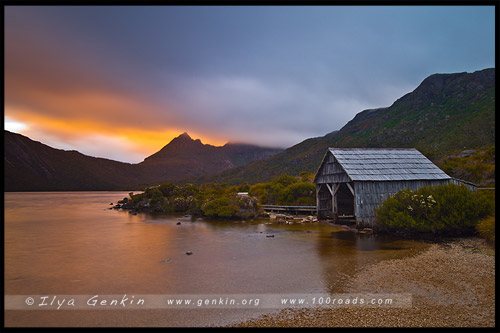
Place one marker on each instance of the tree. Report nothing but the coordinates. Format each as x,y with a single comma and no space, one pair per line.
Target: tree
306,176
302,193
168,189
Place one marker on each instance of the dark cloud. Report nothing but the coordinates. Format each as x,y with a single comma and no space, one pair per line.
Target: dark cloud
267,75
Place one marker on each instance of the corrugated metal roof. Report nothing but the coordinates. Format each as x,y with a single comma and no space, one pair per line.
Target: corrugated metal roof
368,164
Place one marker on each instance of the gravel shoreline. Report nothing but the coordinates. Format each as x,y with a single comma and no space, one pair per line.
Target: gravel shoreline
452,285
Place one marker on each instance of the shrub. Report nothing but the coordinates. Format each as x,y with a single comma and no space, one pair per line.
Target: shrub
486,229
136,198
243,187
447,210
302,193
220,207
488,196
286,190
168,189
231,205
180,204
267,193
284,180
306,176
213,189
188,190
156,199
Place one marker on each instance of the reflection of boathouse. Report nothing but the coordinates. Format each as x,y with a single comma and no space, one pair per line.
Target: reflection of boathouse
352,182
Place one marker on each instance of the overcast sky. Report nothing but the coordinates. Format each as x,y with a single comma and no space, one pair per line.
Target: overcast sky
121,82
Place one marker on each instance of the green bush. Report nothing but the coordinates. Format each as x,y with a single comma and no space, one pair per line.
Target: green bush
135,199
489,197
478,168
446,210
220,207
180,204
286,190
267,193
302,193
156,200
306,176
231,205
486,229
188,190
243,187
213,189
168,189
284,180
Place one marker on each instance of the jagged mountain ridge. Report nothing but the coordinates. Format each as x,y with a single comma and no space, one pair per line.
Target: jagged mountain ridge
34,166
445,114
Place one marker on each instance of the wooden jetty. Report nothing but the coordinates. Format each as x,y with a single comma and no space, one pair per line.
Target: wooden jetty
308,210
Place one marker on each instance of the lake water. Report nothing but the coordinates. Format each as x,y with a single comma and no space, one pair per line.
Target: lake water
71,243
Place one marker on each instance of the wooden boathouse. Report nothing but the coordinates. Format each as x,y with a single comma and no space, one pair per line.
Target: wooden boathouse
352,182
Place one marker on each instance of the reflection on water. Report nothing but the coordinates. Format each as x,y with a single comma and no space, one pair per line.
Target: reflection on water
350,252
72,243
368,242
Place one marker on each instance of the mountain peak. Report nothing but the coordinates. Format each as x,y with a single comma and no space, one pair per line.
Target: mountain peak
180,145
184,138
446,85
184,135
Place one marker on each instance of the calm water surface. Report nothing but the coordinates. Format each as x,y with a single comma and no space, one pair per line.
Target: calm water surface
71,243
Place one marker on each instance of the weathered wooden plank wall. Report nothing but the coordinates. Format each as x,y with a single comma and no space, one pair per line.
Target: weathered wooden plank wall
331,172
324,201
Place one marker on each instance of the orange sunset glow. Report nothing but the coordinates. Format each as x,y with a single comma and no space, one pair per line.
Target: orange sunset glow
97,121
139,142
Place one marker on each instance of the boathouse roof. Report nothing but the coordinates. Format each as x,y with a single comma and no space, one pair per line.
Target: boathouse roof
386,164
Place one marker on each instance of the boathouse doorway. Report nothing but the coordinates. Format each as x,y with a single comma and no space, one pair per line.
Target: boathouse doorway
335,201
345,201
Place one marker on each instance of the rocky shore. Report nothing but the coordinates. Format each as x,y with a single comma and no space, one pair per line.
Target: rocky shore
452,285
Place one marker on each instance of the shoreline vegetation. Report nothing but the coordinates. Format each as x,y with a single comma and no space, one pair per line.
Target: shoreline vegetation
452,285
221,200
429,213
446,210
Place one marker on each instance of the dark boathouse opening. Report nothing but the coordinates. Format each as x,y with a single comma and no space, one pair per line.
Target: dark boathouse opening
345,201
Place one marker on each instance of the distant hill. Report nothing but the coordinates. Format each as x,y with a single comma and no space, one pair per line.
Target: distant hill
445,114
34,166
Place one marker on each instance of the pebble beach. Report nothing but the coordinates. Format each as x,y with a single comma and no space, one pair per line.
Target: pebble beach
452,284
